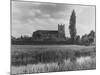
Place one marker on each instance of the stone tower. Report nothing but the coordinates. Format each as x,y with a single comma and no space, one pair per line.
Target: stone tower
61,30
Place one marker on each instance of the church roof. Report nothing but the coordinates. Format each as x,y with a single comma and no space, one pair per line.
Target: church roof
48,31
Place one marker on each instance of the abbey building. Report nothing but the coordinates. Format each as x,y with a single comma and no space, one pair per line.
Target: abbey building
50,35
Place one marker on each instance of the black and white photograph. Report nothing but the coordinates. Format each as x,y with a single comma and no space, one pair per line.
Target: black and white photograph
52,37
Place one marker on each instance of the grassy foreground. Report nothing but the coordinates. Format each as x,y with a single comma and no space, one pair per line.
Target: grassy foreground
45,59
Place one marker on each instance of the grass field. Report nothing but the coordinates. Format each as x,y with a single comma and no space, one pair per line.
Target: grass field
51,58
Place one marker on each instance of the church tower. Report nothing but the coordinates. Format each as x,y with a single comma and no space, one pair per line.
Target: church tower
61,30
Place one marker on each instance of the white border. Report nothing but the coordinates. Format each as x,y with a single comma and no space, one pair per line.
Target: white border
5,36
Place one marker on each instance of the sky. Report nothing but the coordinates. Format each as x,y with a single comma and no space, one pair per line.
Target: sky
27,17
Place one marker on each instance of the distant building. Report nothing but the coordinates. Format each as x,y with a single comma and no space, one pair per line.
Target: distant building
48,35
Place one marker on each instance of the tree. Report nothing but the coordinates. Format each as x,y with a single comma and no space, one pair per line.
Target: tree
77,39
91,37
85,40
72,26
88,39
13,38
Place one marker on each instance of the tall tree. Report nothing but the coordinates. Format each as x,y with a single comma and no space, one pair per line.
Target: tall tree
72,26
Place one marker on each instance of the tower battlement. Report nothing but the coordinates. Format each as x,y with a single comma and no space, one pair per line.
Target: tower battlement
61,30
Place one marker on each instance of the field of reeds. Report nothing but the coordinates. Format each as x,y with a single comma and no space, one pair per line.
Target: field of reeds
51,58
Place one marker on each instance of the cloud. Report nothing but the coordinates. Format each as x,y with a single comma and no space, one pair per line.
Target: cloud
28,17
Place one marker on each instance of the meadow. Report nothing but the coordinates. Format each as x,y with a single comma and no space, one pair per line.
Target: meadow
51,58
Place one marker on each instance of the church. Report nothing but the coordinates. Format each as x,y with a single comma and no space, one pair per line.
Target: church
50,35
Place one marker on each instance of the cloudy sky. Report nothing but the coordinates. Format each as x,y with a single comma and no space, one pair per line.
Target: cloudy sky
28,17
